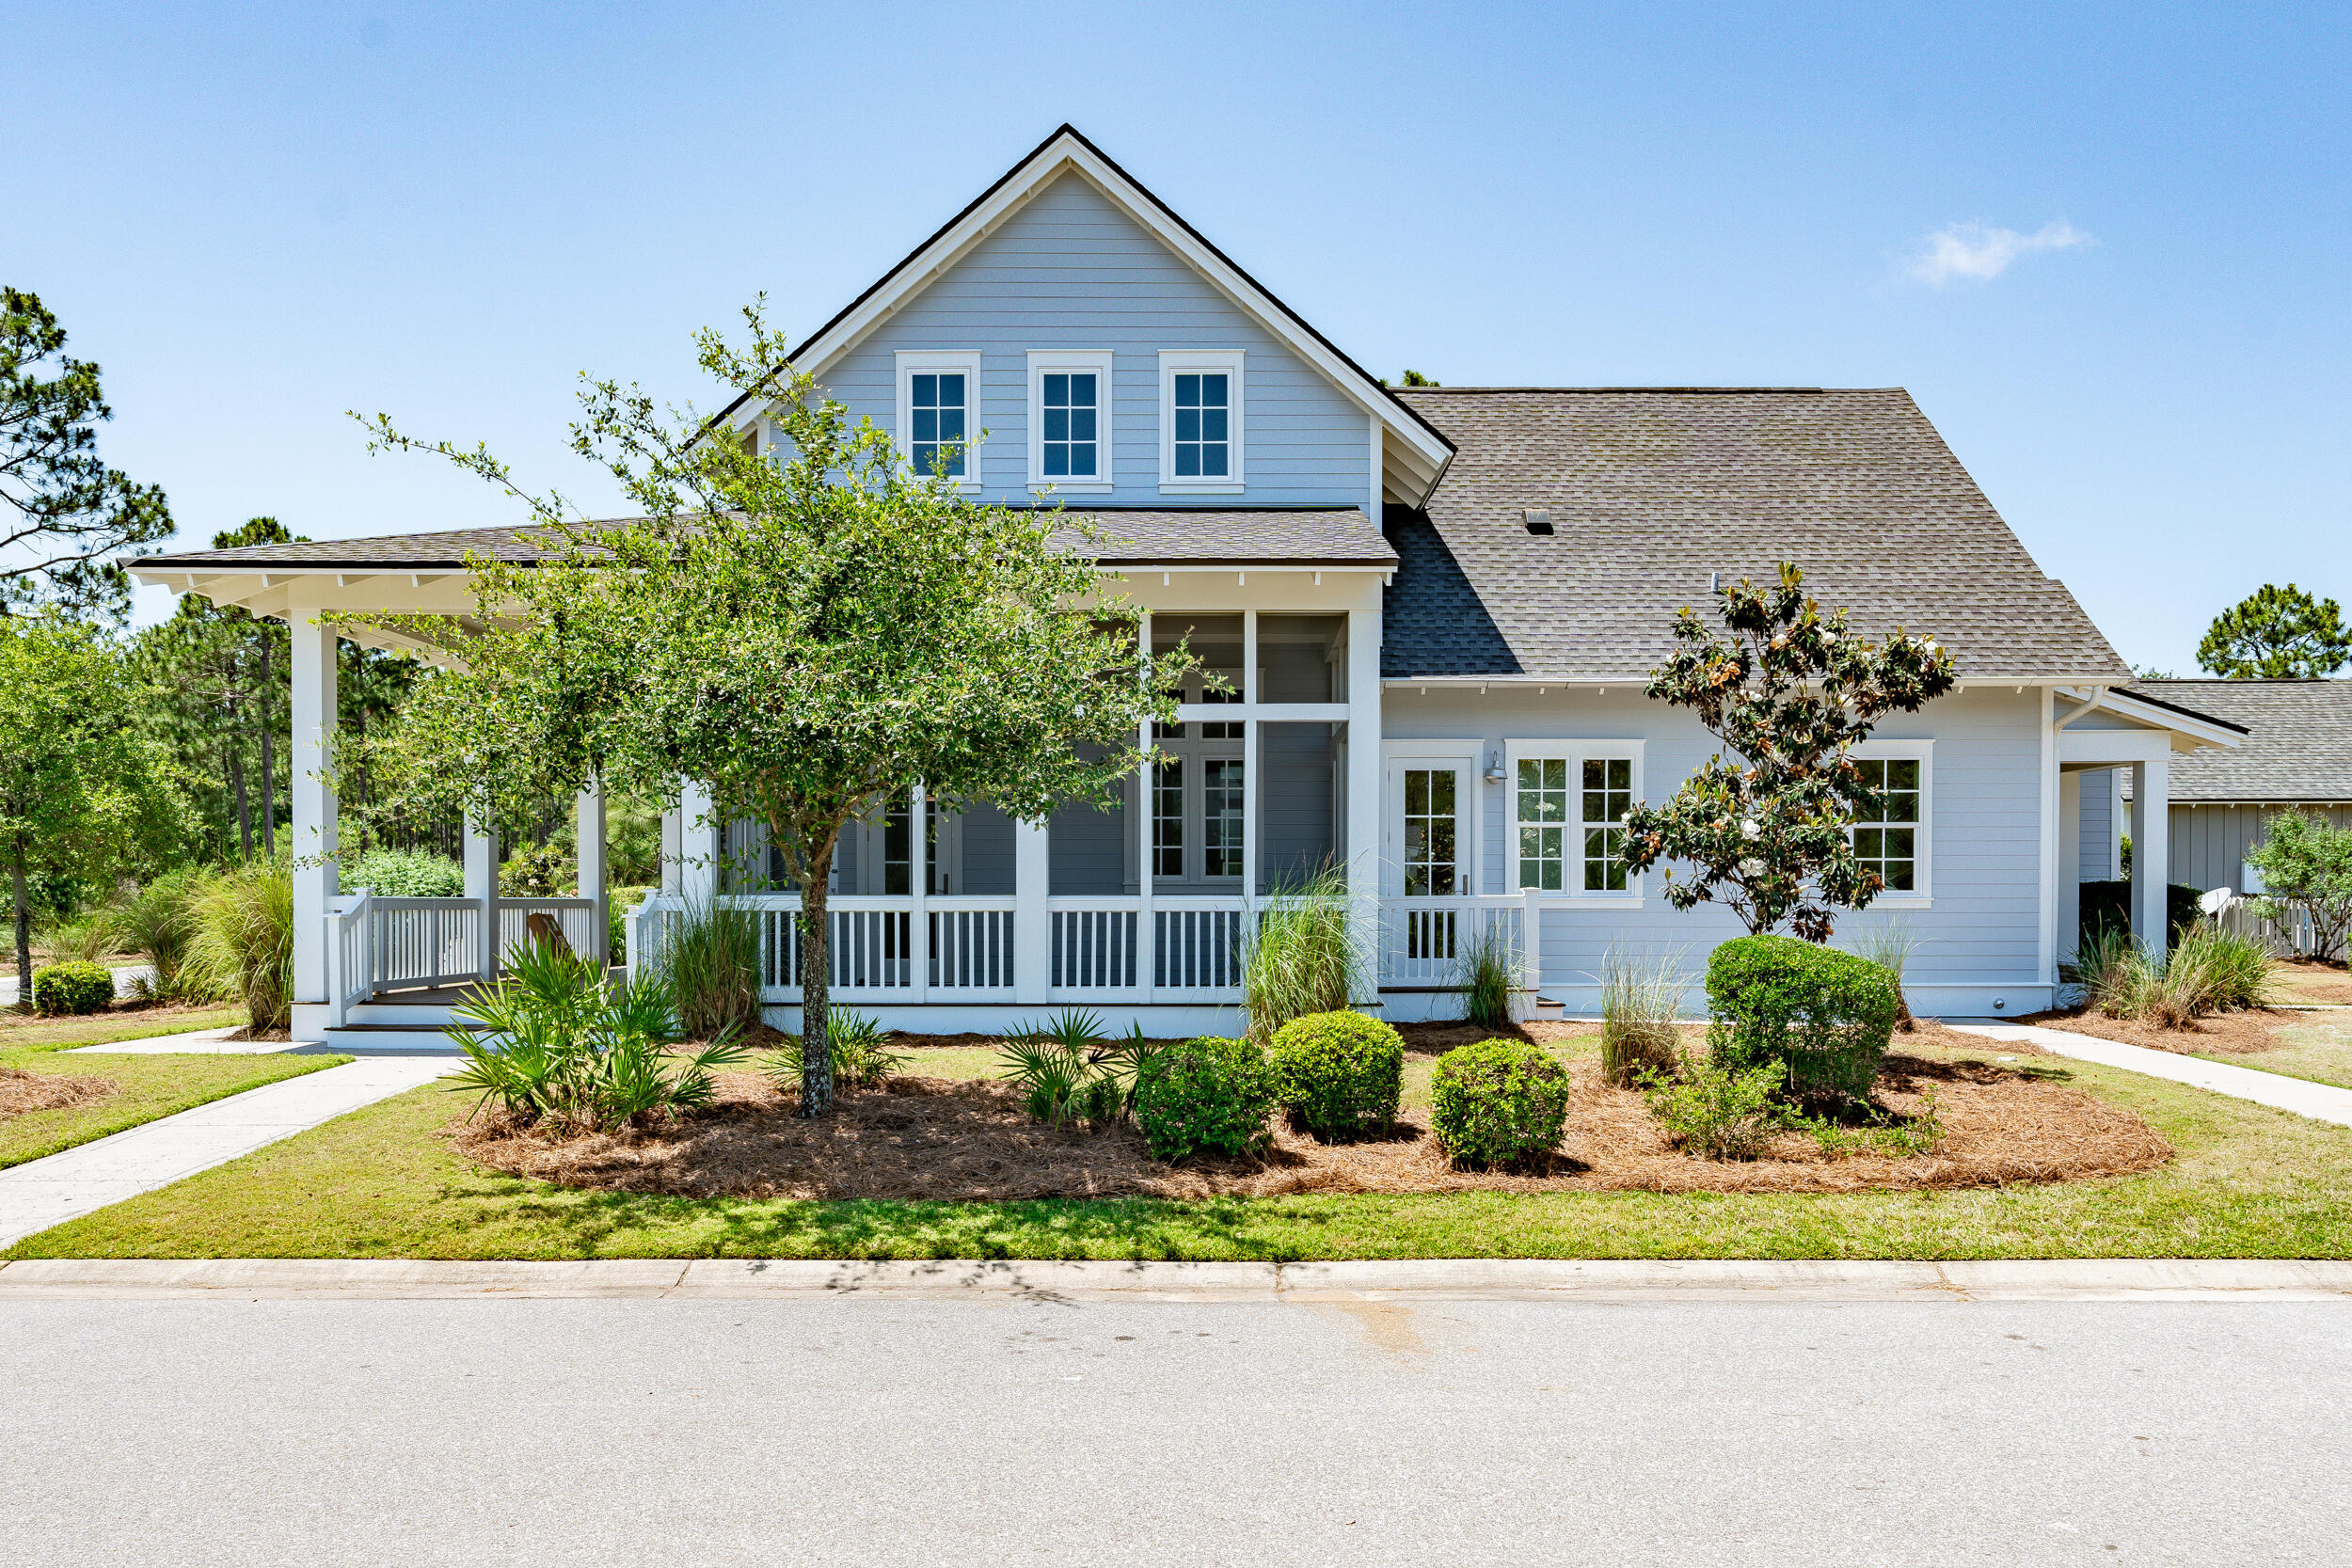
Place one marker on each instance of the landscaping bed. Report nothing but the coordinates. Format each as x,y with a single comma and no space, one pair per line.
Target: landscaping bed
22,1091
2243,1031
962,1138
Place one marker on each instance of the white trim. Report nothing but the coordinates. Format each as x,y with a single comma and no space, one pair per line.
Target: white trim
1065,151
1227,360
2059,827
1092,362
1469,844
966,362
1575,752
2123,704
1922,896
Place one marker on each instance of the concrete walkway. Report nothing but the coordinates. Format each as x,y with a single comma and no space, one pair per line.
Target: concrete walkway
1436,1279
2320,1102
66,1185
195,1042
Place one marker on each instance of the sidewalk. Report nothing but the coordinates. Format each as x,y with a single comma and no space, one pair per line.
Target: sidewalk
195,1042
66,1185
2319,1102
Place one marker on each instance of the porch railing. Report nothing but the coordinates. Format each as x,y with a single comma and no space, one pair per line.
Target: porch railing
377,944
1425,942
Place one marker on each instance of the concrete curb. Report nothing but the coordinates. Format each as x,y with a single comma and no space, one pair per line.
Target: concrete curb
1532,1279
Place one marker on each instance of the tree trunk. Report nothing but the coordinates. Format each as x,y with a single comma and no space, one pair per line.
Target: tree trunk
23,930
816,986
245,812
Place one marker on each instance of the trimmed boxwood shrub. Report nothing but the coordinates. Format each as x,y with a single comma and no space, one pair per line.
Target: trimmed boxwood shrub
1206,1096
73,987
2107,906
1339,1074
1500,1103
1827,1016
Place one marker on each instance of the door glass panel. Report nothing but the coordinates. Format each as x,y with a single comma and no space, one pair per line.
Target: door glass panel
1429,833
1220,819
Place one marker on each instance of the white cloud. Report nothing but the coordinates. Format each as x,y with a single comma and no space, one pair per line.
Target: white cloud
1972,250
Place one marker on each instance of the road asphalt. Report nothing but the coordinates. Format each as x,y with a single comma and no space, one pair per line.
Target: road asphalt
1018,1427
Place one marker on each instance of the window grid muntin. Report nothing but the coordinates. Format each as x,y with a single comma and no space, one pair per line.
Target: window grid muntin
1070,410
1168,818
1606,795
1222,807
1888,842
1203,420
938,403
1543,815
1431,826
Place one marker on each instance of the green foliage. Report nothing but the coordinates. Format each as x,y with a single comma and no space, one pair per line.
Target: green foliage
535,871
1489,974
1414,378
75,987
1789,692
405,874
561,1049
1339,1074
808,628
1826,1016
2277,634
88,939
2107,906
862,1057
2306,863
1499,1104
710,956
1067,1067
1890,947
1303,956
84,792
75,516
1719,1109
243,946
2208,971
1207,1095
159,920
1640,1004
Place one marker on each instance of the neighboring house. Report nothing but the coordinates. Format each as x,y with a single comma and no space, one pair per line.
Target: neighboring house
1436,608
2298,754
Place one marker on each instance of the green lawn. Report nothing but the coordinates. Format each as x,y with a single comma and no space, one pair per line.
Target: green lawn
2248,1182
146,1087
2320,1051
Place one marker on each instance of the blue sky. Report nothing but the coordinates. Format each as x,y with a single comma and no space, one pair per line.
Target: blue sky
2138,340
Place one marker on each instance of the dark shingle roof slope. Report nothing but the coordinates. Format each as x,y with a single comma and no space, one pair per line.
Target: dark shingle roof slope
1264,536
2299,744
1650,490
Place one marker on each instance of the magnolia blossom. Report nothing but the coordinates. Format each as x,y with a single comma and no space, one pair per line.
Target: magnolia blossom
1750,829
1751,868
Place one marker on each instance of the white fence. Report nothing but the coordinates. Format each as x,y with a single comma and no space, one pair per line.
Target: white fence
1426,942
2289,933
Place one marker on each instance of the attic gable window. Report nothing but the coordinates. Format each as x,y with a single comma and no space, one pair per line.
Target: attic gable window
1069,426
938,393
1201,420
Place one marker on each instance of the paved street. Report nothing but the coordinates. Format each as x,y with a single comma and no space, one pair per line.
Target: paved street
1046,1429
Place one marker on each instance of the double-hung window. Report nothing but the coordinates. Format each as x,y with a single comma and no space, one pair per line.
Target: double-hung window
1893,839
1567,803
1070,418
1201,420
938,413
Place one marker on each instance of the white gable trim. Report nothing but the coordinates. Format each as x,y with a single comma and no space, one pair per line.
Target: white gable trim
1416,453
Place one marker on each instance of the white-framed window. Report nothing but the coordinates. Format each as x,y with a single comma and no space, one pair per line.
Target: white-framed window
1566,804
939,406
1893,840
1199,800
1201,420
1070,418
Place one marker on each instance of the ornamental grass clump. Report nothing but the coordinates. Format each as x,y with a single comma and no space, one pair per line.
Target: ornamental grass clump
159,920
2208,971
1500,1104
1640,1004
1489,974
1826,1016
1339,1074
560,1049
1301,957
710,955
76,987
1207,1095
244,941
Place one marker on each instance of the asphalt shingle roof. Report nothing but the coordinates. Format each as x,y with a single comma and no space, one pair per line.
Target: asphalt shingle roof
2298,743
1650,490
1264,536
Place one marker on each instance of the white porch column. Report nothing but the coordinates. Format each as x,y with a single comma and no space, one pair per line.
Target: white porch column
2070,866
1363,787
314,806
481,887
588,839
698,859
1032,921
2152,851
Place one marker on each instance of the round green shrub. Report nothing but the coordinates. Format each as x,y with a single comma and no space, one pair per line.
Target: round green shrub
73,987
1500,1103
1205,1095
1826,1016
1338,1074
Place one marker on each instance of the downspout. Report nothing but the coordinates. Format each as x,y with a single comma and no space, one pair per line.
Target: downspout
2098,695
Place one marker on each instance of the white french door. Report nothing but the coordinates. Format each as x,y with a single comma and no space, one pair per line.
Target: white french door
1429,847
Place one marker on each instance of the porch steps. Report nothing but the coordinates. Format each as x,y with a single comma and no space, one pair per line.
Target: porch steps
411,1038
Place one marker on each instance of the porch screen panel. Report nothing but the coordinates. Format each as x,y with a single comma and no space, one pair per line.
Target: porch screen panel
1298,802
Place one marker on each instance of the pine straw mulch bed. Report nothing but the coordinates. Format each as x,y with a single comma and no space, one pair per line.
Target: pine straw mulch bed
2245,1032
935,1138
2309,980
22,1091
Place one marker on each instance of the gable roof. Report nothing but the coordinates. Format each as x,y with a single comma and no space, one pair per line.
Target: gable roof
1650,491
1415,450
2297,748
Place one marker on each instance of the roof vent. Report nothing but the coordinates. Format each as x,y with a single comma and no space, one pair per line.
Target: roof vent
1538,522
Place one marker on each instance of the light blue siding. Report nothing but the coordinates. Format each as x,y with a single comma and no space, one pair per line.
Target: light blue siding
1980,926
1070,271
2097,862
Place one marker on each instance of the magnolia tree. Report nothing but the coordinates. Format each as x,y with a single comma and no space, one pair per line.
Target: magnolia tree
1789,691
810,631
2306,863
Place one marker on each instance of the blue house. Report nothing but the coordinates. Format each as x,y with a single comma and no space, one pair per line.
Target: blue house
1435,609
